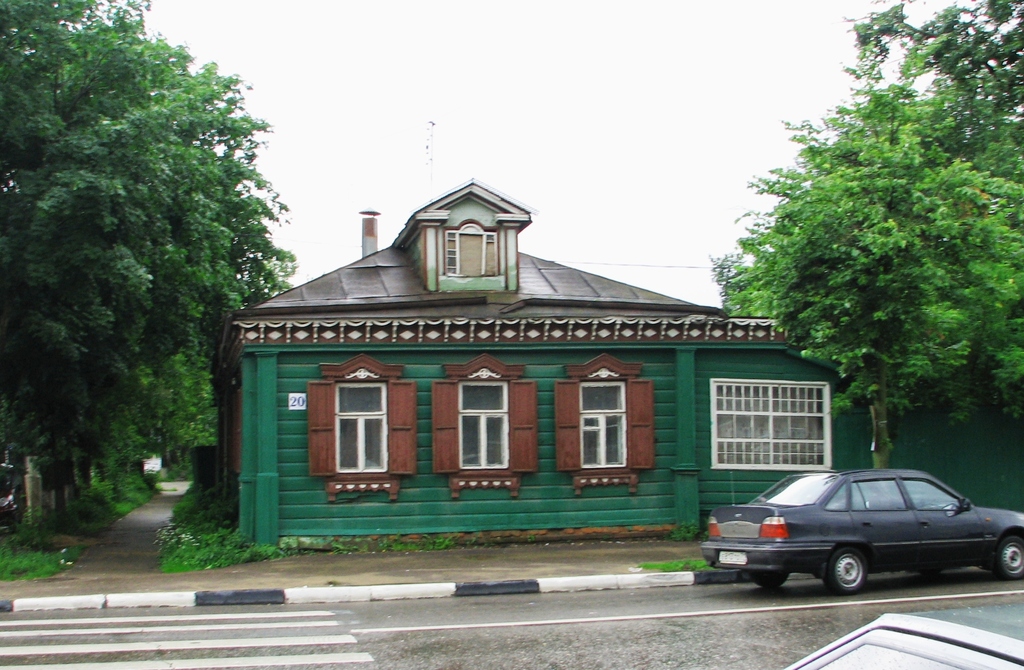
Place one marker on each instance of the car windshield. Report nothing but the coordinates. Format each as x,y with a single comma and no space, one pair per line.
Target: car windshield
798,489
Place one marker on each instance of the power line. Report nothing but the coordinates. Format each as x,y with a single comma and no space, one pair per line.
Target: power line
640,265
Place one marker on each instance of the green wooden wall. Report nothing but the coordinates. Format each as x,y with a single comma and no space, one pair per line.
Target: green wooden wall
729,486
546,498
680,487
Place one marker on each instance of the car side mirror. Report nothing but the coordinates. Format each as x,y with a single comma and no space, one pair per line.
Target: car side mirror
965,505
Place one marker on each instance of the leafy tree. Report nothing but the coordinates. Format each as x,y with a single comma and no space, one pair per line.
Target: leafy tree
973,53
132,217
883,253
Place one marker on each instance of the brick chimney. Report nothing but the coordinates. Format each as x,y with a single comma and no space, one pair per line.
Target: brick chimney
369,231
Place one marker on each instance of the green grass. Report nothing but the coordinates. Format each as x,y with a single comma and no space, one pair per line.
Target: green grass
687,532
203,535
18,563
685,565
183,551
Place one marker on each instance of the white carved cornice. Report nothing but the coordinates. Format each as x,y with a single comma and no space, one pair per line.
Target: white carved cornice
367,332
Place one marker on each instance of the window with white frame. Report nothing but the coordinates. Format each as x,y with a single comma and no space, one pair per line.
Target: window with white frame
362,427
471,252
603,419
770,425
483,425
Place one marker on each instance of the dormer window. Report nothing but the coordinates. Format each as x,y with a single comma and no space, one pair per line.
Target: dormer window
471,251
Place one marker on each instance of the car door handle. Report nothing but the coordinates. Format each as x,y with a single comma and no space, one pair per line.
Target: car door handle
924,523
865,523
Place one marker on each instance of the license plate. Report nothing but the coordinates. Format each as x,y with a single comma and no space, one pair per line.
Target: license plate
732,557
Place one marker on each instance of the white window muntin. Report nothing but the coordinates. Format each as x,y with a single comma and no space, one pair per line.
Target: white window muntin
770,425
361,441
483,425
602,424
454,265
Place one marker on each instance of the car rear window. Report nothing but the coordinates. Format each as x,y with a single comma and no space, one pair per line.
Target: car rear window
798,489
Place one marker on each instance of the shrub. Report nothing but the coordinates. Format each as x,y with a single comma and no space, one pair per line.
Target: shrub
203,535
90,513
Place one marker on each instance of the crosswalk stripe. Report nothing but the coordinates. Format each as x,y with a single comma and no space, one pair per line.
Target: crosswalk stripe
176,645
209,663
60,632
166,618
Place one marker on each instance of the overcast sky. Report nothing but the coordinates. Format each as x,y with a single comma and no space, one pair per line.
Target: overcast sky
633,128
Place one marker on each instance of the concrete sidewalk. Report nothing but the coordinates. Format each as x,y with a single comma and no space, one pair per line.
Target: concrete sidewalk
124,561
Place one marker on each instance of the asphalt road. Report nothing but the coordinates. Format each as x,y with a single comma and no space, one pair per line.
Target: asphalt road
733,627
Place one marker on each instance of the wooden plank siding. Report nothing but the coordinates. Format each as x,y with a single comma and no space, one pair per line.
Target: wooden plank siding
546,498
729,486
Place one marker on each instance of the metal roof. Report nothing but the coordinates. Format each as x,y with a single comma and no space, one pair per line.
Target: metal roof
387,284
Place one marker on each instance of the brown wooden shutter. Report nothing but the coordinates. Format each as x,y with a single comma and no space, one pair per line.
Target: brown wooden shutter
522,413
320,414
640,416
402,427
445,415
567,425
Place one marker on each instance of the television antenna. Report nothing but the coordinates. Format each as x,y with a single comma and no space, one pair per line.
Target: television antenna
430,153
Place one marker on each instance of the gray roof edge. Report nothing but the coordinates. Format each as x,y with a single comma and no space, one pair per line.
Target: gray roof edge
467,184
617,303
406,232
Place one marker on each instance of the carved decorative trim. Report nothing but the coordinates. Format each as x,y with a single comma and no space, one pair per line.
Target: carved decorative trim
483,366
605,478
360,368
470,480
604,366
485,373
362,483
699,328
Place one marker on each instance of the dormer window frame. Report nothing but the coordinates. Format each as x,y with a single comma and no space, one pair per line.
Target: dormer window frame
454,262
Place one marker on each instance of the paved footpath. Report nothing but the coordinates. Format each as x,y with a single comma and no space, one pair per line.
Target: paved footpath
124,561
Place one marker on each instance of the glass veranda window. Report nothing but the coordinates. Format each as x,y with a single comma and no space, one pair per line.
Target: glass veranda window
603,415
771,425
483,410
362,428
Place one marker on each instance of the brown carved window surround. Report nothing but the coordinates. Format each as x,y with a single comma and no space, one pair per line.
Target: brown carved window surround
604,423
485,425
362,427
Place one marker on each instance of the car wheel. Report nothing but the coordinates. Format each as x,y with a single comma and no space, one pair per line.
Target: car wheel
847,571
1010,558
769,580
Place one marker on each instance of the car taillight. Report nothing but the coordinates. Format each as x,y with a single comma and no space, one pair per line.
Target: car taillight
713,527
774,527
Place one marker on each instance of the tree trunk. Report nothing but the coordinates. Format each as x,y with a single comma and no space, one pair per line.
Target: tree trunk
881,443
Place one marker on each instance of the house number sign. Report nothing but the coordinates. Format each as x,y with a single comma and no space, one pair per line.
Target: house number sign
297,401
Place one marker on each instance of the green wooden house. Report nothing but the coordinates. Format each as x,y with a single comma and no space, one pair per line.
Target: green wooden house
450,383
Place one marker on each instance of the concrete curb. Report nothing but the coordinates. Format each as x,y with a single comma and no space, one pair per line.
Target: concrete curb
497,588
720,577
166,599
344,594
242,597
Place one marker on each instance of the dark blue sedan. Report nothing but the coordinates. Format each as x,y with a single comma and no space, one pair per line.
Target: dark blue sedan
840,526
